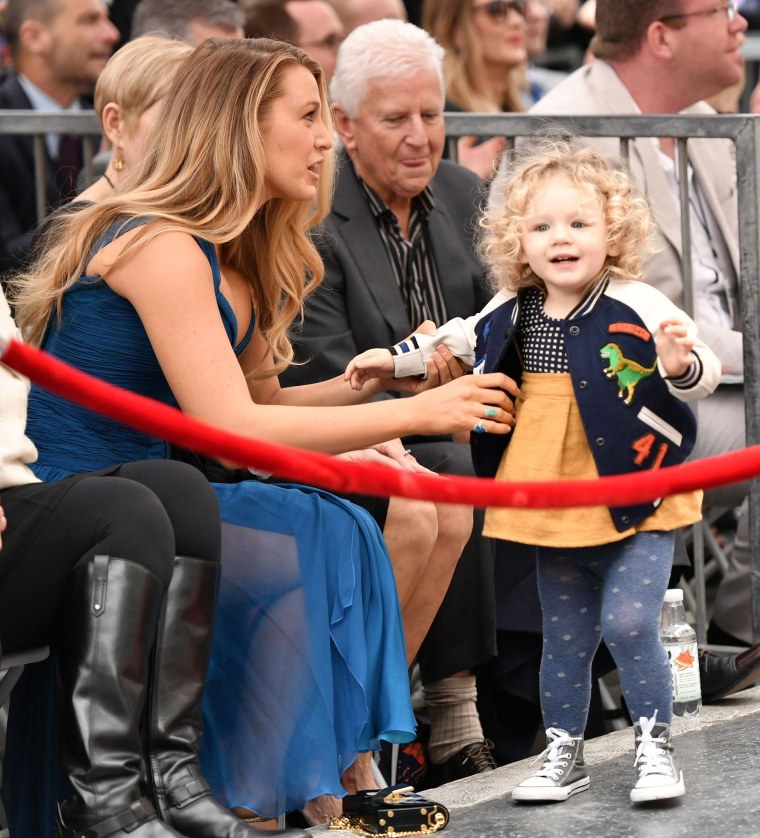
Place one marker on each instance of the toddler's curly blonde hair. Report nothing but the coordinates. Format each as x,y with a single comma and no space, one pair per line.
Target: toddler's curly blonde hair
629,220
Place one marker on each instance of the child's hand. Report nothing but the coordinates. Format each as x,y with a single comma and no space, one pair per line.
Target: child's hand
674,343
374,363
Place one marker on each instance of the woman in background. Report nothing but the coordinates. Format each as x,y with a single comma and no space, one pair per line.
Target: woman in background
128,96
485,56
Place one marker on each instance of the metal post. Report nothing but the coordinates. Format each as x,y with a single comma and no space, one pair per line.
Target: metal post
747,160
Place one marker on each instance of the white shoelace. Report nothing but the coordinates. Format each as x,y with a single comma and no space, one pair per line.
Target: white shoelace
651,754
555,760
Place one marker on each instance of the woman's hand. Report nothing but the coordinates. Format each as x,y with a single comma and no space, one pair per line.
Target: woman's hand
391,453
674,343
442,368
481,401
480,157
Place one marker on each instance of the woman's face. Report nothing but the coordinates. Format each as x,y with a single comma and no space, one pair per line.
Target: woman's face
133,138
296,138
500,27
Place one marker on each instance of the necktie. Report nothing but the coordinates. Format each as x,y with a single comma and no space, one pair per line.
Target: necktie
69,164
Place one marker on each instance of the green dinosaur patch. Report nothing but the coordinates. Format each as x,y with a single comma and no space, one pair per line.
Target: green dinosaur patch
627,373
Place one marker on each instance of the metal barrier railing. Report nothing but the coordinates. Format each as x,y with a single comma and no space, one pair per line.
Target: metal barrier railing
742,130
38,124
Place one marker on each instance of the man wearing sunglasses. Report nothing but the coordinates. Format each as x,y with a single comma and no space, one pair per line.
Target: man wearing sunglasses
660,57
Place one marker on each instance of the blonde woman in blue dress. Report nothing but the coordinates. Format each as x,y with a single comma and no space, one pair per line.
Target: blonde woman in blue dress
182,285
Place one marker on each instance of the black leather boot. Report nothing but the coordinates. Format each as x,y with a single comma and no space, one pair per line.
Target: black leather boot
104,651
183,648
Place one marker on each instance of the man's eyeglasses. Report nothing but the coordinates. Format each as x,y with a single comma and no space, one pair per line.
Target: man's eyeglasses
498,10
729,9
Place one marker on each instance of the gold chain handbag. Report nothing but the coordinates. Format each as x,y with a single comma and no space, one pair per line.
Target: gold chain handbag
396,810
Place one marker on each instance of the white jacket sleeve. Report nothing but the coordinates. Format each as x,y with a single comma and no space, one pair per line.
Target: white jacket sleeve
16,449
410,356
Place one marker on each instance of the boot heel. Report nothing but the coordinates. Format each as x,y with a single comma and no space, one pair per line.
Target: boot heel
138,821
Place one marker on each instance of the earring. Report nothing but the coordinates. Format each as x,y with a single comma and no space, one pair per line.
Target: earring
118,159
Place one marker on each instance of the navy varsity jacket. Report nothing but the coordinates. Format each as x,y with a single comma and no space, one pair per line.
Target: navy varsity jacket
634,416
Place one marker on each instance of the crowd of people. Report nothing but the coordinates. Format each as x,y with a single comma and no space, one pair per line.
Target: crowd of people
271,241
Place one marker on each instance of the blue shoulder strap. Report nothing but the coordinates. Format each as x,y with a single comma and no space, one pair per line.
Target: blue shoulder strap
115,230
228,315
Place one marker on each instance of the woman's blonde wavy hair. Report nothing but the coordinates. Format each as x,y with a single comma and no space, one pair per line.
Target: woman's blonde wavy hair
204,173
450,22
138,75
629,220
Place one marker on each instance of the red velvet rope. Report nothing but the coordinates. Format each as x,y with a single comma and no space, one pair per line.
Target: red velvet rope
168,423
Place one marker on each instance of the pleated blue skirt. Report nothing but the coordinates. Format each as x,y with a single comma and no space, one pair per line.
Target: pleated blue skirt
308,666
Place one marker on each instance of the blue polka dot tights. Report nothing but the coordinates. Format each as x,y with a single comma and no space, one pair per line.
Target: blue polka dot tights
615,592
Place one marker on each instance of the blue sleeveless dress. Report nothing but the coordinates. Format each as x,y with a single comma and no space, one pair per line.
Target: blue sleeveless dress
308,665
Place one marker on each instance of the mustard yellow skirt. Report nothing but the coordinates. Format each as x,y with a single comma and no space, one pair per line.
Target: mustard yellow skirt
549,443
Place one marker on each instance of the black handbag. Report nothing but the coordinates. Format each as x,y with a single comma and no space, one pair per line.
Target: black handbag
395,810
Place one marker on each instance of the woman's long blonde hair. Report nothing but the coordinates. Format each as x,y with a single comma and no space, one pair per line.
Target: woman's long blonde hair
450,22
204,173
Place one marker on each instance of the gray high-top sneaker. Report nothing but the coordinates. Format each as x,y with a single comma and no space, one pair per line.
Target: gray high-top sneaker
658,773
563,772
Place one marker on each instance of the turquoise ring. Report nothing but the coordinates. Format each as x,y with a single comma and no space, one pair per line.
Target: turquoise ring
491,412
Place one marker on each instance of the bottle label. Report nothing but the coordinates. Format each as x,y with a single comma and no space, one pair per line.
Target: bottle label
684,667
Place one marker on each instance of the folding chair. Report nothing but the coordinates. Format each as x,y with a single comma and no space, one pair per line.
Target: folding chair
11,667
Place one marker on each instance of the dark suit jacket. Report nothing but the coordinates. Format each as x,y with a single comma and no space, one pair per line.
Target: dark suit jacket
18,210
359,305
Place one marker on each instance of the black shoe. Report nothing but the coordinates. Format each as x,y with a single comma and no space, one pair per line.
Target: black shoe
722,674
717,637
476,758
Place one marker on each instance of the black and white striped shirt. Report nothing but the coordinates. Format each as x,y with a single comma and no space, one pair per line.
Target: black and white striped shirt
412,261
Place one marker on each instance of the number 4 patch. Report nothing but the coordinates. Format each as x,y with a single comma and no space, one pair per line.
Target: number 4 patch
643,448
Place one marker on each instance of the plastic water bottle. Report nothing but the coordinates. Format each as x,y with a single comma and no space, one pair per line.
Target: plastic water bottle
680,642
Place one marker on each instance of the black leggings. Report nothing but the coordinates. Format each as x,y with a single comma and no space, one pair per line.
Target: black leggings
147,512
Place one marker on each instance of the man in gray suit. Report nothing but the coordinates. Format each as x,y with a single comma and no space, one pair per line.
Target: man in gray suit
659,57
399,249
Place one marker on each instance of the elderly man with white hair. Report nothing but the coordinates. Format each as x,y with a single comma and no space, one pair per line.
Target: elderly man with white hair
399,249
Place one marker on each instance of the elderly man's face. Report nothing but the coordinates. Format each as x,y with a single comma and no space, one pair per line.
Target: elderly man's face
397,138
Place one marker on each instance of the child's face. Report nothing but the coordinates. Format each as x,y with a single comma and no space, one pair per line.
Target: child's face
565,238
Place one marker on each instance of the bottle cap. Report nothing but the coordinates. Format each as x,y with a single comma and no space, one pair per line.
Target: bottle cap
674,595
